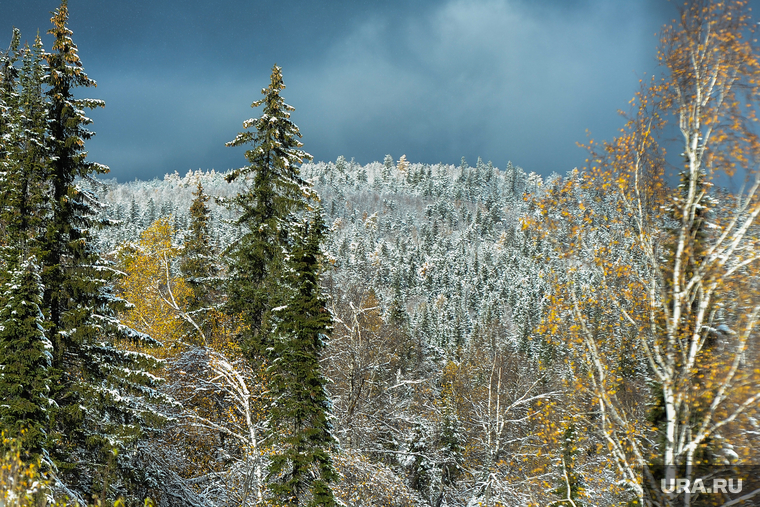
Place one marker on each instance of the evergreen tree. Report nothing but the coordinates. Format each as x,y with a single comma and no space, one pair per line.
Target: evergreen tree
273,285
150,212
24,202
274,191
9,119
420,466
100,390
68,230
570,488
8,94
134,214
301,470
24,359
387,167
197,264
451,447
397,315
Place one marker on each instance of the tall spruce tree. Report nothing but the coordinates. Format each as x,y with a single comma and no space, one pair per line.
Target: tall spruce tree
24,346
100,390
8,92
301,469
24,201
273,286
9,119
274,191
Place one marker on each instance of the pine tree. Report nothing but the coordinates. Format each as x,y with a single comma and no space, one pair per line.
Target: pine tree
24,359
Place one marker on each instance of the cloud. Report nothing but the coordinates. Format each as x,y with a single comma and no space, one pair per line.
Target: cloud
173,122
485,77
502,79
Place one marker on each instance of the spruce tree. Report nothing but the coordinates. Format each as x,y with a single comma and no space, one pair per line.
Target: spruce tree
24,206
451,446
100,390
66,242
8,93
197,264
273,285
24,346
301,469
570,485
9,119
274,190
24,359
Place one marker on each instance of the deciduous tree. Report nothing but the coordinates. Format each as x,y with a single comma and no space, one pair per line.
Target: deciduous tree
656,289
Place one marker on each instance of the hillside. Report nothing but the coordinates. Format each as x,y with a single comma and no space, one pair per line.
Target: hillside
431,235
437,257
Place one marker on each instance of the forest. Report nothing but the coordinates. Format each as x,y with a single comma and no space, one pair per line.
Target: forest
309,333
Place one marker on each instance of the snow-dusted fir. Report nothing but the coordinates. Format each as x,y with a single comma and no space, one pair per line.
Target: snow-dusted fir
98,392
434,228
25,356
273,284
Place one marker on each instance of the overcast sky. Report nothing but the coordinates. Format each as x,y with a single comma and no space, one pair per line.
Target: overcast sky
436,80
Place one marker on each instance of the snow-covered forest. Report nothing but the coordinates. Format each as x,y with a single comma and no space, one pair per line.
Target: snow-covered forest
437,291
431,237
391,334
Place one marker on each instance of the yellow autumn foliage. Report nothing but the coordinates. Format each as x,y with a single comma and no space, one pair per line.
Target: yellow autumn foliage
158,297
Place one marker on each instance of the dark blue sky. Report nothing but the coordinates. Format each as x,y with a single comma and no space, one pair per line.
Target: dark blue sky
436,80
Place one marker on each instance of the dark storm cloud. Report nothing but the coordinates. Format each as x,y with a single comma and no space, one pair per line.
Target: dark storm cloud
504,80
501,80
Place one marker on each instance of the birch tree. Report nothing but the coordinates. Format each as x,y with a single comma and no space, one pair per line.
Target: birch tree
656,288
210,452
213,451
